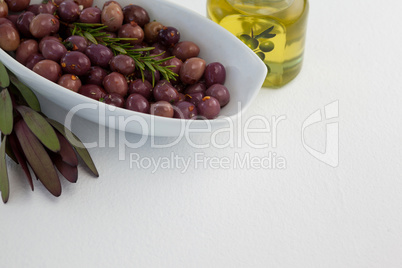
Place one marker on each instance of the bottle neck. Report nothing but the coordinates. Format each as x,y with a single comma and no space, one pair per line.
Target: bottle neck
260,7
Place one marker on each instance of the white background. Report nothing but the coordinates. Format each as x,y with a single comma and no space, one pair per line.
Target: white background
308,214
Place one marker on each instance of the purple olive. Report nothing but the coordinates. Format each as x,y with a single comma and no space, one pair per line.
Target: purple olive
76,43
195,93
185,50
95,75
7,22
49,69
69,11
92,91
123,64
26,49
219,92
209,107
131,31
85,3
33,59
9,37
74,62
13,18
53,50
137,14
215,73
151,31
99,55
165,91
140,87
169,36
185,110
112,16
196,88
17,5
91,15
137,103
45,39
192,70
114,99
116,83
43,25
181,98
48,8
175,63
161,108
33,8
195,98
179,87
3,9
70,81
23,22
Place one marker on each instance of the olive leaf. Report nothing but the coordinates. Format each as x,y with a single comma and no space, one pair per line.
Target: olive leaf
9,150
38,158
6,112
33,143
4,79
66,152
4,184
68,172
18,154
77,144
266,33
26,93
40,127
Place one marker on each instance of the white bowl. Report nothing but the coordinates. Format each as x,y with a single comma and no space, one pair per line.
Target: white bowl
245,74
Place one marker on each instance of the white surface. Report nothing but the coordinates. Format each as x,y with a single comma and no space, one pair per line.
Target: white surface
250,74
307,215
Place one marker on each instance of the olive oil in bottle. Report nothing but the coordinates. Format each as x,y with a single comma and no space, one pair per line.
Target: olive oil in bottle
274,29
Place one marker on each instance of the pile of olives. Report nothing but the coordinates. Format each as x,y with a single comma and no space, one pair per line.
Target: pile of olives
40,37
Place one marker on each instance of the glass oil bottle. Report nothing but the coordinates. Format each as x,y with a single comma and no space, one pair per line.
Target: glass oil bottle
274,29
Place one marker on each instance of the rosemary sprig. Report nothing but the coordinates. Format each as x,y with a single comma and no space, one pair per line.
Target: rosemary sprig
95,34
